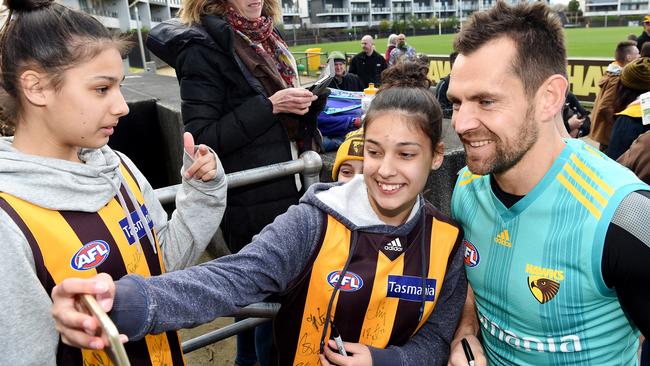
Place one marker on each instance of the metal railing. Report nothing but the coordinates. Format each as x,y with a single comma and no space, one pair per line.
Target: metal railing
256,313
309,165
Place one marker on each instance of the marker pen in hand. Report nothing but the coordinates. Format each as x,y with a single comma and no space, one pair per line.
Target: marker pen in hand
468,352
338,340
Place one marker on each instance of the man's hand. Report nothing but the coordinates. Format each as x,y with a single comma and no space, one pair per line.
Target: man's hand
205,164
468,328
77,327
358,355
457,355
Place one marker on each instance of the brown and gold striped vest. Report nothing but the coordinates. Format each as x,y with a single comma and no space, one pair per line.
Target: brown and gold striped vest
379,300
80,244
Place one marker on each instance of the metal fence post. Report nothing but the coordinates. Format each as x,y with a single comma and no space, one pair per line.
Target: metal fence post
313,164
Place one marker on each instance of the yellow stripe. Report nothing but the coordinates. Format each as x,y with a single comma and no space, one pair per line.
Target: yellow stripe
585,169
443,238
468,180
380,316
507,234
584,184
93,357
159,350
585,202
333,254
593,152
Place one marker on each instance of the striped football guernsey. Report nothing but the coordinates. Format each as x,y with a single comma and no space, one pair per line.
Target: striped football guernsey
378,303
535,268
80,244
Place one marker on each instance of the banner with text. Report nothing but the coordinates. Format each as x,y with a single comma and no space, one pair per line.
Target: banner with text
583,74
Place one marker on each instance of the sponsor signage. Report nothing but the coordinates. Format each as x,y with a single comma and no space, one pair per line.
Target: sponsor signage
139,226
583,74
410,288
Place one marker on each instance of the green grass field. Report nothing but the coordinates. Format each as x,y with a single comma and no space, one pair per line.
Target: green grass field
581,42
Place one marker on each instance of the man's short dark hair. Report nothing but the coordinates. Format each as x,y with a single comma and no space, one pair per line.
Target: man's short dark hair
534,28
623,49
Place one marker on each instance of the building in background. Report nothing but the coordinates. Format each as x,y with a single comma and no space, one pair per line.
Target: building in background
310,14
120,14
324,14
333,14
615,7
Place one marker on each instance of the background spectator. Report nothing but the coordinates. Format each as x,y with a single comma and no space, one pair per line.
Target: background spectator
342,79
575,117
635,80
645,50
441,90
349,157
402,51
637,157
603,111
645,35
368,64
392,41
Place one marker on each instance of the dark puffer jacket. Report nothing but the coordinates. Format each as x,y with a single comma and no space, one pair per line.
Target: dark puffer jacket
225,107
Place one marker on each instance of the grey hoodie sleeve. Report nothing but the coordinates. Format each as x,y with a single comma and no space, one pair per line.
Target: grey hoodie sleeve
25,316
430,345
199,209
196,295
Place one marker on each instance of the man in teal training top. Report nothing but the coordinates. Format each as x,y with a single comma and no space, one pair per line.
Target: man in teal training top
556,236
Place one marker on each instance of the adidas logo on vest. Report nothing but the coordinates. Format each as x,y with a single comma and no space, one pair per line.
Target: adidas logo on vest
394,245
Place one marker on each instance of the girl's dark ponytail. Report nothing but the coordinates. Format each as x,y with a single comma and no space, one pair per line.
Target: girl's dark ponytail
26,5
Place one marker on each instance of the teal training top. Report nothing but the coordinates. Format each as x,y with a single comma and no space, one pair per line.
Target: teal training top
536,267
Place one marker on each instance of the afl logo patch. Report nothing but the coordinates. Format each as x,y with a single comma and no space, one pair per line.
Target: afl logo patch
351,282
90,255
472,257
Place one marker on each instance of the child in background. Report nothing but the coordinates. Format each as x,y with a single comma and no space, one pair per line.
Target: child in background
349,157
70,206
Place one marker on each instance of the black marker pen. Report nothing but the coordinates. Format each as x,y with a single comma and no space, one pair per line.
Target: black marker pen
338,340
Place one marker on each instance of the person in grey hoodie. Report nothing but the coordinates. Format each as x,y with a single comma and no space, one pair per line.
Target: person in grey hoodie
71,206
370,258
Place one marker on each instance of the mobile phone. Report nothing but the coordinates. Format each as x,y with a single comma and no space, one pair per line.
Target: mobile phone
115,350
326,77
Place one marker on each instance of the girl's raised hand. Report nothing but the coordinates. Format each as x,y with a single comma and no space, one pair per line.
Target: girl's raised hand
358,355
205,163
